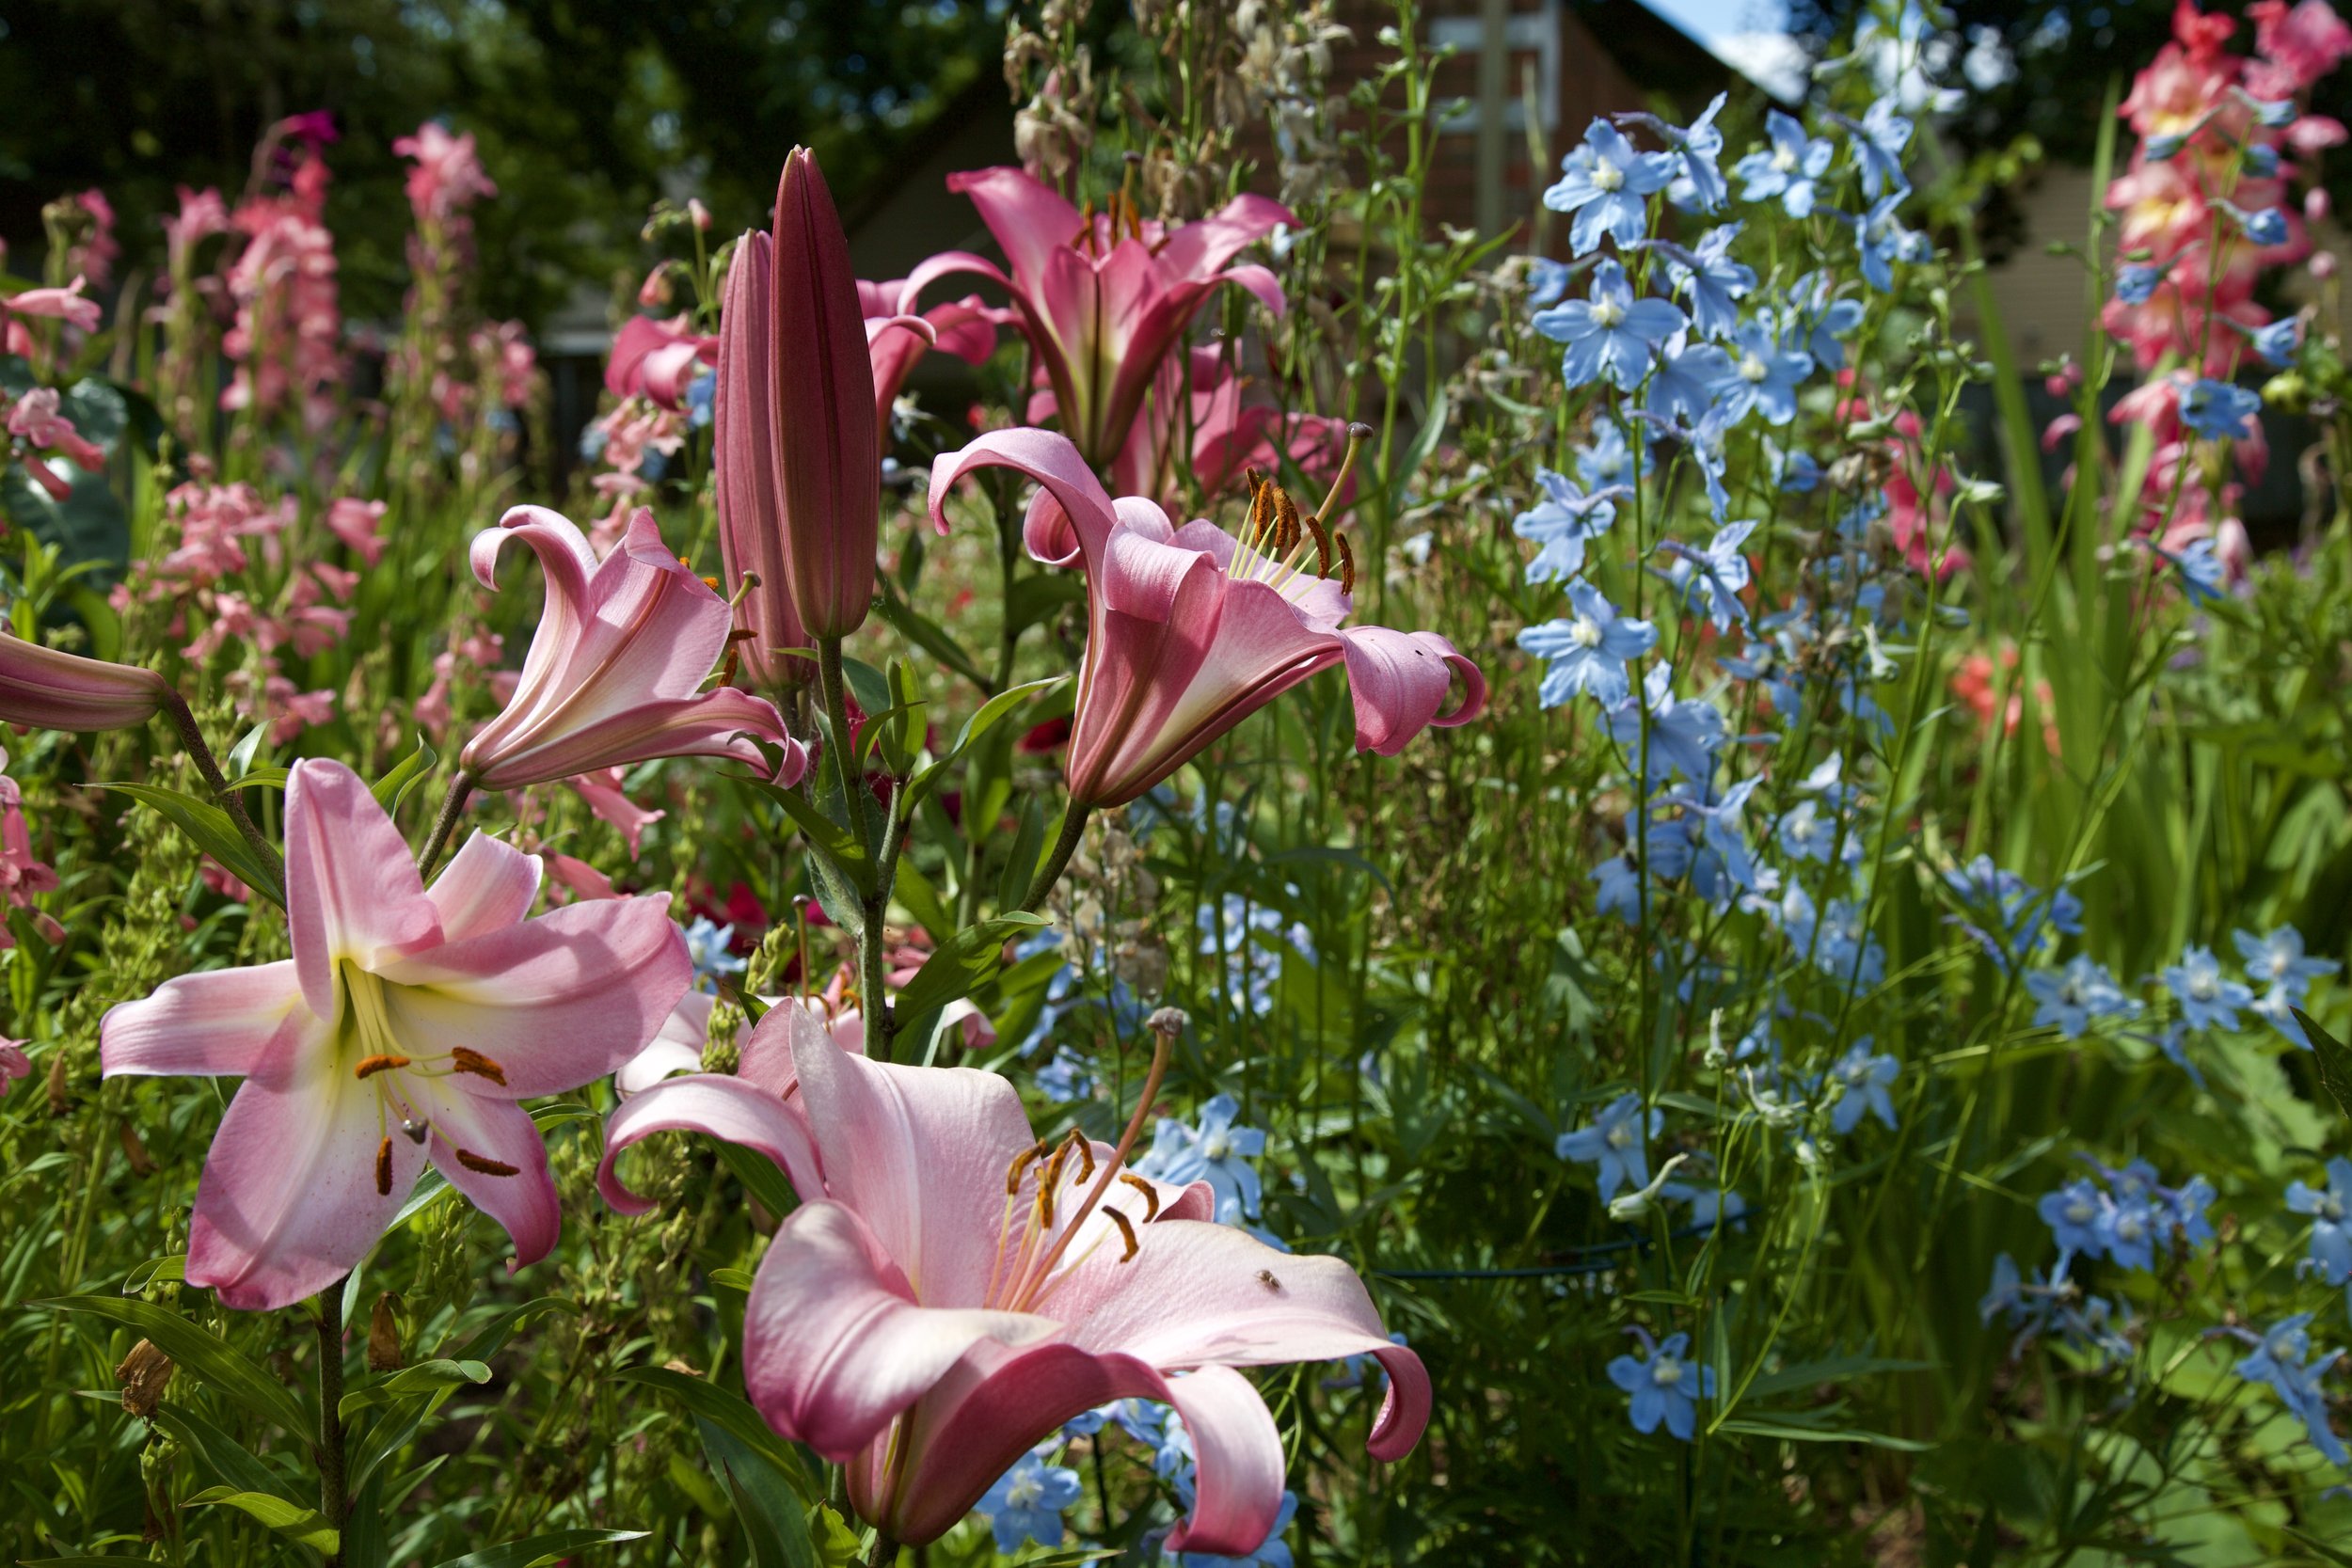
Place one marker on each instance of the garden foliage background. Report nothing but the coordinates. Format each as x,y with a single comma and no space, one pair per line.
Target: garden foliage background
1822,1042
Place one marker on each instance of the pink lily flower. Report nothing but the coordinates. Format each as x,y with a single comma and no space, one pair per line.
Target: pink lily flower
964,328
44,689
406,1026
1190,630
609,802
1215,434
952,1290
656,359
1106,298
613,673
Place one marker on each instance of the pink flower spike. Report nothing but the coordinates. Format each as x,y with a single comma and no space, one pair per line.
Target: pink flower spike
355,522
602,790
48,689
913,1323
1189,630
14,1064
615,668
66,305
406,1027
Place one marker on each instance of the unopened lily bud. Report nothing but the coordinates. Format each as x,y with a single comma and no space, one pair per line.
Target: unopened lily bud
143,1375
52,690
700,213
751,499
384,1354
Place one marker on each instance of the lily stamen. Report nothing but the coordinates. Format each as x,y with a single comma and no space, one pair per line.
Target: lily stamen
1125,1230
1151,1194
487,1167
466,1059
384,1168
382,1062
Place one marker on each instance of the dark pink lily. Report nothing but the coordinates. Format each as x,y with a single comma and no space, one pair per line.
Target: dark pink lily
1106,298
1211,430
899,332
405,1029
1190,630
657,360
617,666
952,1290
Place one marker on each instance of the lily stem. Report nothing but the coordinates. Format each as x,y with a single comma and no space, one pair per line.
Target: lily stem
1073,827
191,737
330,1446
835,686
452,804
873,982
884,1554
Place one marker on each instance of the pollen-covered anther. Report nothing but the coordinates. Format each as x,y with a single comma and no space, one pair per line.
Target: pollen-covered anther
474,1161
384,1062
384,1168
1021,1163
1287,529
1323,544
1253,530
464,1058
1125,1230
1151,1194
1347,565
1076,1141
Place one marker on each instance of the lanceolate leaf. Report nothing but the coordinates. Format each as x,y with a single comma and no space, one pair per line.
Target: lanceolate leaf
210,1359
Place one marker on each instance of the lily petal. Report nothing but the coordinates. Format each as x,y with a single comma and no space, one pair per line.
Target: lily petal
487,884
351,889
1400,680
217,1023
719,1106
501,1133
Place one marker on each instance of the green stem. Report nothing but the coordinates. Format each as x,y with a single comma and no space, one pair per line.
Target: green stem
835,687
873,986
1073,827
330,1444
452,805
176,707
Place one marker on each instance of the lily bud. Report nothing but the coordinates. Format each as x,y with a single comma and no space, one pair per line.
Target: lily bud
831,489
52,690
751,498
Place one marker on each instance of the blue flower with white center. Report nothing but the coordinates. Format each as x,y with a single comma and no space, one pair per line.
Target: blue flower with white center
2203,577
1763,375
2186,1208
1683,384
2277,342
1665,1387
1785,168
1270,1553
1564,522
2076,1215
1817,321
1588,650
1878,143
2130,1228
2278,1360
2219,410
1808,834
1607,184
1846,950
2331,1209
699,395
1684,733
706,949
1217,1152
1882,242
2135,282
1713,577
2070,999
1706,842
1614,1142
1546,280
1709,278
1698,183
1609,333
1863,1077
2173,1043
2208,1001
1608,460
1026,1503
1066,1078
2274,114
2012,919
1620,889
2278,960
1255,940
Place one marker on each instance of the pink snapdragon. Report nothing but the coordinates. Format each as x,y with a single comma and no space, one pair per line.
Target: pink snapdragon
407,1028
602,791
23,874
14,1064
444,177
287,340
355,523
1190,630
952,1290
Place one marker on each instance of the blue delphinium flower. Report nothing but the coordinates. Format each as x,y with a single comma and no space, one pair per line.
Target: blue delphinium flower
1608,460
1794,470
1215,1152
2219,410
2070,998
2276,342
1682,387
1763,375
2076,1215
2279,1361
1270,1553
2331,1207
707,948
1816,320
1713,577
1620,889
1879,141
1564,522
1609,333
1705,842
1880,242
1698,182
1066,1078
1546,281
2276,960
1255,939
2135,282
700,393
1865,1078
1786,168
2009,917
2130,1228
1026,1503
1845,949
1588,650
1805,832
1607,184
1664,1386
1709,278
2186,1206
2267,228
1684,733
1614,1142
2203,577
2208,1001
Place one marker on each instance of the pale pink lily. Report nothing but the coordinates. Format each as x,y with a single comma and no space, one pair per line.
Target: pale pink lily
603,792
1190,630
615,668
951,1291
1105,298
406,1026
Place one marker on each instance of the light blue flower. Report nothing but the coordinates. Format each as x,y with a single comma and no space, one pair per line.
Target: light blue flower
1880,242
2208,1001
1607,184
1564,522
1066,1078
1698,183
2278,342
2204,577
1588,650
1794,471
2130,1228
2218,410
1270,1553
699,395
1709,278
2070,999
1609,333
1817,321
1786,168
706,944
2076,1214
1713,577
1215,1152
1846,950
2331,1207
2278,1360
2267,228
1608,460
1865,1078
1763,375
1546,280
2009,918
1026,1503
1620,889
2278,960
1664,1386
1878,143
1808,833
1683,384
1256,939
1684,733
2135,282
1614,1142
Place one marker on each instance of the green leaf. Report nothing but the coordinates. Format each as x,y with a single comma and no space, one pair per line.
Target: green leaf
963,963
732,1279
305,1527
210,829
425,1377
492,1337
928,633
394,788
237,1468
1793,1426
775,1525
87,526
1040,596
978,725
1028,846
1417,457
842,850
205,1355
869,686
156,1270
542,1548
2335,1059
761,1178
707,1402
